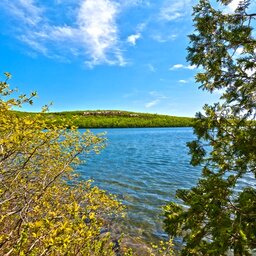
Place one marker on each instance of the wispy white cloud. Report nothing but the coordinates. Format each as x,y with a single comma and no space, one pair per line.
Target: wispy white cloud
97,25
132,39
182,81
164,38
169,14
152,103
33,44
93,33
158,95
141,26
172,10
181,66
157,98
177,66
129,3
151,67
25,10
58,33
132,94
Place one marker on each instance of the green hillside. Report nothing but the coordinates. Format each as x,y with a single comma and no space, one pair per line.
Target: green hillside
115,119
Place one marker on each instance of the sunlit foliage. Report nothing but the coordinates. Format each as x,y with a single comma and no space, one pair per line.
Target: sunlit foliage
45,209
116,119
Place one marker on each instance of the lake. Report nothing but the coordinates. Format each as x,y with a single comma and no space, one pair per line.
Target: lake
143,167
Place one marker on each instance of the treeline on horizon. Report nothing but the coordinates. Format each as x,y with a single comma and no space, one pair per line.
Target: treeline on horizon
114,119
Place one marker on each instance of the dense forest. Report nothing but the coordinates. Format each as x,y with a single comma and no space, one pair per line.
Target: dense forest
114,119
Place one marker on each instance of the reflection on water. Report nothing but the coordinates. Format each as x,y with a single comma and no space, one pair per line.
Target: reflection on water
143,167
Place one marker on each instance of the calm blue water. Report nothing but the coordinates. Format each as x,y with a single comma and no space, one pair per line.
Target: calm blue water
143,167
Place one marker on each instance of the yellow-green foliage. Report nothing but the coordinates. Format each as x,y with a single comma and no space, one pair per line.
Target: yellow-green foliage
164,248
115,119
44,208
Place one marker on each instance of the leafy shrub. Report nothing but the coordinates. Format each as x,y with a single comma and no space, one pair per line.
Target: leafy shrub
44,208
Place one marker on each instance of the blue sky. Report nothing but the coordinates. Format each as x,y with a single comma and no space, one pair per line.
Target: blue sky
102,54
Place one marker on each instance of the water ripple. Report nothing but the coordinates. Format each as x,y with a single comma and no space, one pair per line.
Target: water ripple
144,168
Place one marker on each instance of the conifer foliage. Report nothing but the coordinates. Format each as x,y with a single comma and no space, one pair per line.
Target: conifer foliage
221,213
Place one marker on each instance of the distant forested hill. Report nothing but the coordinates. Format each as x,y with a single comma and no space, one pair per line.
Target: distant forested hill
115,119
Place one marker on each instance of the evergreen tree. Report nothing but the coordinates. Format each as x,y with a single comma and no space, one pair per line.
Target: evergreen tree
221,214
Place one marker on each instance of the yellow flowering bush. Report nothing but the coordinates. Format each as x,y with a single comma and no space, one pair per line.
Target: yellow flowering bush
45,209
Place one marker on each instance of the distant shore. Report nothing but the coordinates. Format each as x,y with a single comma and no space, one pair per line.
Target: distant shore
114,119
